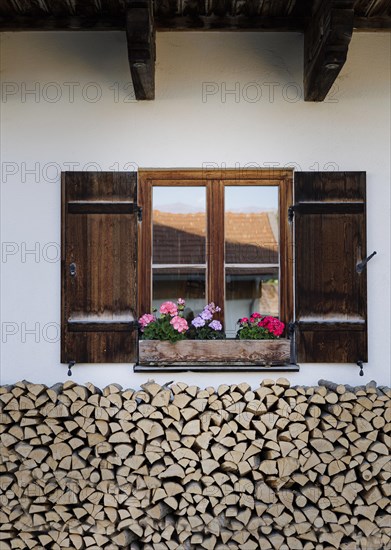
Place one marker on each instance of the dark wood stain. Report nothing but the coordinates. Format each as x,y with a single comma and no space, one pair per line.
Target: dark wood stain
286,250
178,15
327,27
145,244
331,308
216,245
214,181
140,34
326,43
99,235
99,301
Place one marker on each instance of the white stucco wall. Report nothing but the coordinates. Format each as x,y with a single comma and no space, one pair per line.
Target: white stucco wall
81,117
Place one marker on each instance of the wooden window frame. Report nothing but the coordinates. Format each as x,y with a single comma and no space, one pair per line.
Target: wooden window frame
323,281
214,181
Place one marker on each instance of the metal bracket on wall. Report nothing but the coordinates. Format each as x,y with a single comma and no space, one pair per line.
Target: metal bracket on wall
292,338
70,365
361,365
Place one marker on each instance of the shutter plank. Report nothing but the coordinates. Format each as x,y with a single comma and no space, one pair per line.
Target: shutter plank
330,237
101,207
99,237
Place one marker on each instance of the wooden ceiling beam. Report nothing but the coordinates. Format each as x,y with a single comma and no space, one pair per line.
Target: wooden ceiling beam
140,33
111,21
6,8
372,8
61,23
372,24
232,23
326,43
86,8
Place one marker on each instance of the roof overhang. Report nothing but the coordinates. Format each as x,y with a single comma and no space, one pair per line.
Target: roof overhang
327,26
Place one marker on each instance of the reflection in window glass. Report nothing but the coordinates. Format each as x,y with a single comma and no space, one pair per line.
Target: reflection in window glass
251,253
247,291
172,283
251,225
179,247
179,225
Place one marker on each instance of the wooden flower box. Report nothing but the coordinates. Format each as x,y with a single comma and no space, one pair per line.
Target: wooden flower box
214,352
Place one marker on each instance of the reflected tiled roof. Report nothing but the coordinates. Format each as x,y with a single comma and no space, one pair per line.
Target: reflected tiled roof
180,238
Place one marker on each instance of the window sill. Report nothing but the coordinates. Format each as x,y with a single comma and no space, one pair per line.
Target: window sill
216,368
215,355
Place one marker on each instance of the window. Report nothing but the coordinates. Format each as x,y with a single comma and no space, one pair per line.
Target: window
114,265
216,236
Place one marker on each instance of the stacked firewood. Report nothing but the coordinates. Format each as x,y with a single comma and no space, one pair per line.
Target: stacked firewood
179,467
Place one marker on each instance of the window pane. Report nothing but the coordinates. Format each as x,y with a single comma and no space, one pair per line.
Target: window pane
251,225
249,290
251,253
173,283
179,225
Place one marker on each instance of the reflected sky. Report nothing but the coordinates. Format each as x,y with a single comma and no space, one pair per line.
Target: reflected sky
193,199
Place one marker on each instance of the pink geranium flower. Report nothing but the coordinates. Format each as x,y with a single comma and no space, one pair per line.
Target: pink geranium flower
179,323
168,308
256,315
273,325
146,319
260,327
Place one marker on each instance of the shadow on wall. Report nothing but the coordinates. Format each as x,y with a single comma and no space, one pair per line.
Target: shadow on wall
244,67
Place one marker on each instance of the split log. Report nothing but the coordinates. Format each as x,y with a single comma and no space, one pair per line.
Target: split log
169,467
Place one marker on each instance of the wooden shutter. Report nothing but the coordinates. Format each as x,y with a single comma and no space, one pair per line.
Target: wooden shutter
99,261
330,240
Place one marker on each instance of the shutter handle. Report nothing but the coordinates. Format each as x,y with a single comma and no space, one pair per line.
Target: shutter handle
363,264
72,269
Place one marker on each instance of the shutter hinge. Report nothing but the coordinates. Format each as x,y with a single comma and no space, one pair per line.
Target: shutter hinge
138,209
291,213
